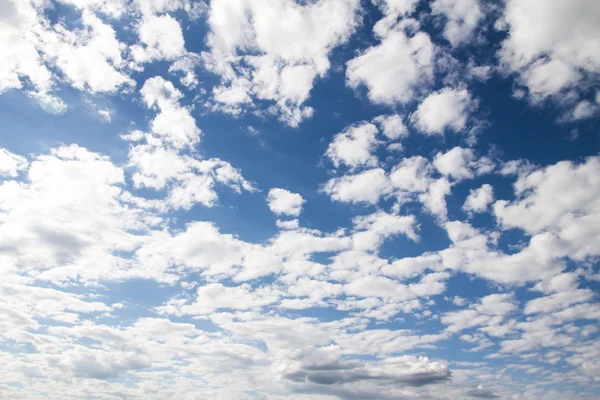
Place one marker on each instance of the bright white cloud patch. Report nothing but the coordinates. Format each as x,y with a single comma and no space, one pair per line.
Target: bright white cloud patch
161,39
447,109
552,47
462,18
394,70
274,51
284,202
392,126
11,164
479,199
354,147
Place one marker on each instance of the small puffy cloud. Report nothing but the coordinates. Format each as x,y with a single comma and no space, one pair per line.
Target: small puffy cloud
21,59
392,126
482,393
551,46
354,147
289,224
91,58
216,296
174,123
489,314
460,163
479,199
560,200
447,109
394,70
11,164
434,199
284,202
367,186
462,18
161,38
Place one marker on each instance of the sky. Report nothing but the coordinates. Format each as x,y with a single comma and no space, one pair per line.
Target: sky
299,199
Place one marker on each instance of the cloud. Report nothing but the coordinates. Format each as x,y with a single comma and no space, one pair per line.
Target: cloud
461,19
394,70
21,59
559,200
11,164
284,202
392,126
161,38
401,371
460,163
489,313
549,55
447,109
367,186
173,123
90,58
479,199
215,296
481,393
273,51
354,146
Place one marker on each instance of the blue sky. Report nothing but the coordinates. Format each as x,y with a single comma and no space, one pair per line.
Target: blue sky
280,199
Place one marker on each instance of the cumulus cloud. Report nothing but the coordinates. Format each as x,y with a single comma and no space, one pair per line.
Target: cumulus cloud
447,109
551,48
394,70
354,147
460,163
90,58
367,186
462,18
161,38
274,51
284,202
11,164
559,200
479,199
392,126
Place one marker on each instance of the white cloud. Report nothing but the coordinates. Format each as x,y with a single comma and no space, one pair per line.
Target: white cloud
105,114
21,61
174,123
91,58
215,296
367,186
460,163
373,229
354,147
412,175
550,46
479,199
488,314
447,109
284,202
560,200
395,70
434,199
161,38
186,65
274,51
11,164
583,110
48,227
462,18
290,224
392,126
